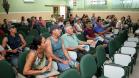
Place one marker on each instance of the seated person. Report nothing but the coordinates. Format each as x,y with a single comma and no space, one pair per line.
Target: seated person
137,27
73,44
58,51
91,35
98,28
36,61
78,26
13,44
41,22
88,32
5,25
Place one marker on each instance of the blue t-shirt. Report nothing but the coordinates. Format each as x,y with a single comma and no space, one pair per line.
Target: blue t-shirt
98,28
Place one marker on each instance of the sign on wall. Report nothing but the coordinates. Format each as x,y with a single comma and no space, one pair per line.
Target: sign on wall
29,0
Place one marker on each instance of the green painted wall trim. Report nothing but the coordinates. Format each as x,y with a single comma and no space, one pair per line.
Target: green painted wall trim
39,6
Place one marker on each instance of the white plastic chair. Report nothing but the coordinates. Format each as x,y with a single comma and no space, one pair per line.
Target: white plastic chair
133,39
128,50
130,44
113,71
122,59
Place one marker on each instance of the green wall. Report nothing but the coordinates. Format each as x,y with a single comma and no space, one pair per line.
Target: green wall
38,5
111,5
81,5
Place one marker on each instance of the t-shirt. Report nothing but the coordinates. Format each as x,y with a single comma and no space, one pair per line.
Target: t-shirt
70,40
89,32
98,28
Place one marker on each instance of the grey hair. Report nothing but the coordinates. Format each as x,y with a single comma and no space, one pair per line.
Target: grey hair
67,26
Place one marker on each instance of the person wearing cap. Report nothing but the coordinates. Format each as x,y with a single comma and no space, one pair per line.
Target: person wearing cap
58,52
13,44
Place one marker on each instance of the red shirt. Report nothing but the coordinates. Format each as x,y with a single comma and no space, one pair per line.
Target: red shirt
89,32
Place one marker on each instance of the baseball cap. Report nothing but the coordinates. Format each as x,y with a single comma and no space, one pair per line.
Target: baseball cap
11,26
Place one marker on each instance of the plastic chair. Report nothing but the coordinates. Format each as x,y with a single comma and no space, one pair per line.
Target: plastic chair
70,73
22,61
88,67
6,70
111,71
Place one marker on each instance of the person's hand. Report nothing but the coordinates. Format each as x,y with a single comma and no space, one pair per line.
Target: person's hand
49,66
108,29
14,51
3,52
69,59
90,42
44,69
102,36
2,57
80,48
65,61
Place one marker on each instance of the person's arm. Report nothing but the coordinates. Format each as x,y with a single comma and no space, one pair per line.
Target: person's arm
86,43
89,38
28,65
4,44
22,40
83,43
68,48
65,51
49,59
71,48
49,50
101,33
86,35
2,57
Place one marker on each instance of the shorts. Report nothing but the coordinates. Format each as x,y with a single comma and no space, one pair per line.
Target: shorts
62,67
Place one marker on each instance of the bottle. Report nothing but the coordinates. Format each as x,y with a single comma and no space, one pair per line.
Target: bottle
9,48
